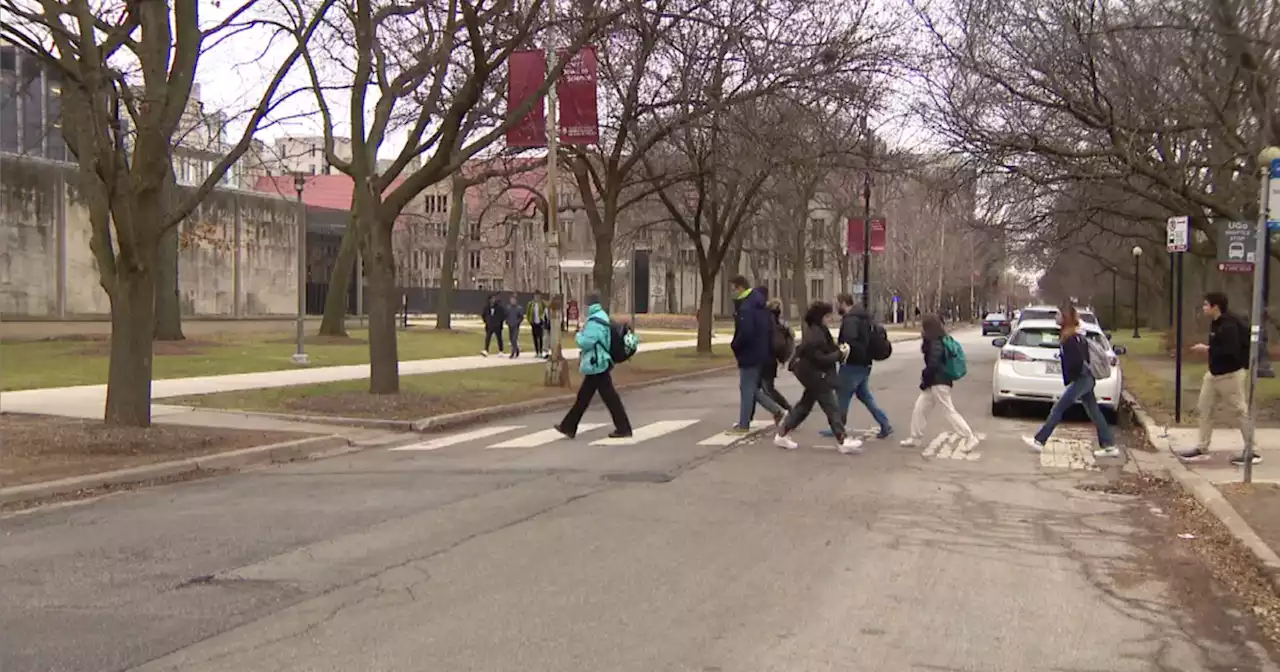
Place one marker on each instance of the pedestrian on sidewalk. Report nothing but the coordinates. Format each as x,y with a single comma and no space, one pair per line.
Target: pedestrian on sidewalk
815,367
858,330
538,313
1082,365
594,362
493,316
514,315
752,347
783,343
1224,382
935,385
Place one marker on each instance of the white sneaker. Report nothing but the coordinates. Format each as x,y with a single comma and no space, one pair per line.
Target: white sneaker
1035,446
1107,452
850,446
783,441
484,353
909,443
970,443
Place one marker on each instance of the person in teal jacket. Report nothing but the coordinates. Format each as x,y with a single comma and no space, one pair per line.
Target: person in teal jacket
595,364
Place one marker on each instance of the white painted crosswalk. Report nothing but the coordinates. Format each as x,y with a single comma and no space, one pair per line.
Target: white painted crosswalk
728,437
455,439
649,431
951,446
544,437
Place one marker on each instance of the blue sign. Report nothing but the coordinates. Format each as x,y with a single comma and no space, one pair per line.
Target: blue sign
1273,199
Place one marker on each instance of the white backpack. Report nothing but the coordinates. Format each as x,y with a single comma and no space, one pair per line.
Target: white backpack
1099,360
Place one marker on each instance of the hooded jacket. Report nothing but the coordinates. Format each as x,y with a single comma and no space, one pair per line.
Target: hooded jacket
593,342
816,354
752,330
494,315
855,330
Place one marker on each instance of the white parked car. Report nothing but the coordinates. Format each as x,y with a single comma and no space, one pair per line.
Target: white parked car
1051,313
1030,368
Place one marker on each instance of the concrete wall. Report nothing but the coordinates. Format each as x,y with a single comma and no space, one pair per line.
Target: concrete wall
237,254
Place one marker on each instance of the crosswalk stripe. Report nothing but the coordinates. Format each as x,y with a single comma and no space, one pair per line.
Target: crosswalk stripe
649,431
544,437
455,439
727,438
950,446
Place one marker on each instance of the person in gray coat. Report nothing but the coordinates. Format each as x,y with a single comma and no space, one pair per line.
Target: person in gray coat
515,315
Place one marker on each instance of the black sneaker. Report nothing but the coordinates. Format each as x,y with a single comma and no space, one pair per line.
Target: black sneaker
615,434
1193,455
1238,460
569,435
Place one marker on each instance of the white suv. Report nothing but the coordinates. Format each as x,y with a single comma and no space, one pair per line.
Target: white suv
1030,369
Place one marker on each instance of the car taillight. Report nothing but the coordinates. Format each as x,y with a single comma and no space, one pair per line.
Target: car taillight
1115,361
1014,355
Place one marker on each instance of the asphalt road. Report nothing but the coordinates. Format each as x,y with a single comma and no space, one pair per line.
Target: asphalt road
502,552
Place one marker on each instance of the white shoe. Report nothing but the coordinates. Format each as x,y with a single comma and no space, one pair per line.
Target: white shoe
785,442
1031,442
484,353
970,443
850,446
1107,452
909,443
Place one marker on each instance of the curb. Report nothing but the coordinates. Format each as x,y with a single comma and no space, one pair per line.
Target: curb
287,451
452,420
1164,462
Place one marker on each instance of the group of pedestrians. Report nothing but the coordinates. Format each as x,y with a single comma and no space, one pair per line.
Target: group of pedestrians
834,370
497,315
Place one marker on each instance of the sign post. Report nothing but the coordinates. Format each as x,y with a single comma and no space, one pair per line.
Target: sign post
1178,229
1268,220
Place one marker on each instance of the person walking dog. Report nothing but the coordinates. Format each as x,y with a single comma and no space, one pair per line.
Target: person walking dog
814,364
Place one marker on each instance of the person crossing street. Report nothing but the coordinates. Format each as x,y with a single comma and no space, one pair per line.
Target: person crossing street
815,364
596,365
860,332
752,347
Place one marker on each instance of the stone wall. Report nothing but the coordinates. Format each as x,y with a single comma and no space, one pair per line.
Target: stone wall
237,255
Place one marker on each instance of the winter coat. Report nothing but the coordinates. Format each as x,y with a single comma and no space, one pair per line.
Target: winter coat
1229,345
752,343
593,342
816,357
770,369
1075,358
935,357
493,315
544,312
514,314
855,330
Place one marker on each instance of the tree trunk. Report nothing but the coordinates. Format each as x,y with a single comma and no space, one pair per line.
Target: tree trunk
602,273
449,266
706,304
799,262
334,321
168,308
384,360
132,327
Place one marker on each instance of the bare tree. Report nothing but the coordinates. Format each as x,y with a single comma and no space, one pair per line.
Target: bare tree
127,71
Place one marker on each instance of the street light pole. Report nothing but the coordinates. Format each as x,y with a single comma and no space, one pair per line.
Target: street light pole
866,221
299,183
1137,257
1257,341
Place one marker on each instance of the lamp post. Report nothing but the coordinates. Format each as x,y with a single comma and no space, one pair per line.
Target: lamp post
299,182
866,219
1137,257
1258,342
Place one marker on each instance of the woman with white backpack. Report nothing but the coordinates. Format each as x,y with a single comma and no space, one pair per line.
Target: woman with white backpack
1083,364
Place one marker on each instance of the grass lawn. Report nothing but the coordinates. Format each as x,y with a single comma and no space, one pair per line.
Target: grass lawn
438,393
1149,376
83,361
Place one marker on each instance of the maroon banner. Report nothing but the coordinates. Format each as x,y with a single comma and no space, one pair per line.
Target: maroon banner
856,236
576,90
526,71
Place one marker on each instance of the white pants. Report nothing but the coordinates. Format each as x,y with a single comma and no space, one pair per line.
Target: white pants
940,395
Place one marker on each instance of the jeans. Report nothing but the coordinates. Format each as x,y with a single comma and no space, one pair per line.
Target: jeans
488,336
769,390
748,385
855,381
1081,390
513,331
602,383
826,400
536,330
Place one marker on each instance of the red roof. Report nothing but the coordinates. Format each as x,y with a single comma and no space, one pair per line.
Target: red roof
319,191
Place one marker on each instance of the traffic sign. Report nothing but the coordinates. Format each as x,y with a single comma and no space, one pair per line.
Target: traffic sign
1237,246
1273,197
1178,233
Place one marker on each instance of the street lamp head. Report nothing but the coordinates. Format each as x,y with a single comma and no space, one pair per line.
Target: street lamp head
299,182
1137,251
1266,156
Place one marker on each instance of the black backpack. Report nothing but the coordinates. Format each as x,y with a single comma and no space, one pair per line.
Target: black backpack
622,340
784,342
879,347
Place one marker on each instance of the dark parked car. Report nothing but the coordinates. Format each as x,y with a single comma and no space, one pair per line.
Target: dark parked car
995,323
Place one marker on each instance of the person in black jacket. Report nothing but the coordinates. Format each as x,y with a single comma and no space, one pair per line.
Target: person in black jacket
769,374
1080,383
752,347
856,326
935,387
815,367
494,317
1224,383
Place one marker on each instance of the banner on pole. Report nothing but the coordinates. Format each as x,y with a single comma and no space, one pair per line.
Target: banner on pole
576,91
526,71
856,236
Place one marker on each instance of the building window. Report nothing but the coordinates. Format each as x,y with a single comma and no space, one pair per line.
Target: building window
816,289
816,259
509,259
475,230
475,260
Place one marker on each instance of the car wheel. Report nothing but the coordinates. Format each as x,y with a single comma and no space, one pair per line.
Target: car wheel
999,409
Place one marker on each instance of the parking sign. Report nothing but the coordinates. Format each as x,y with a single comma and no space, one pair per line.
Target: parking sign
1178,233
